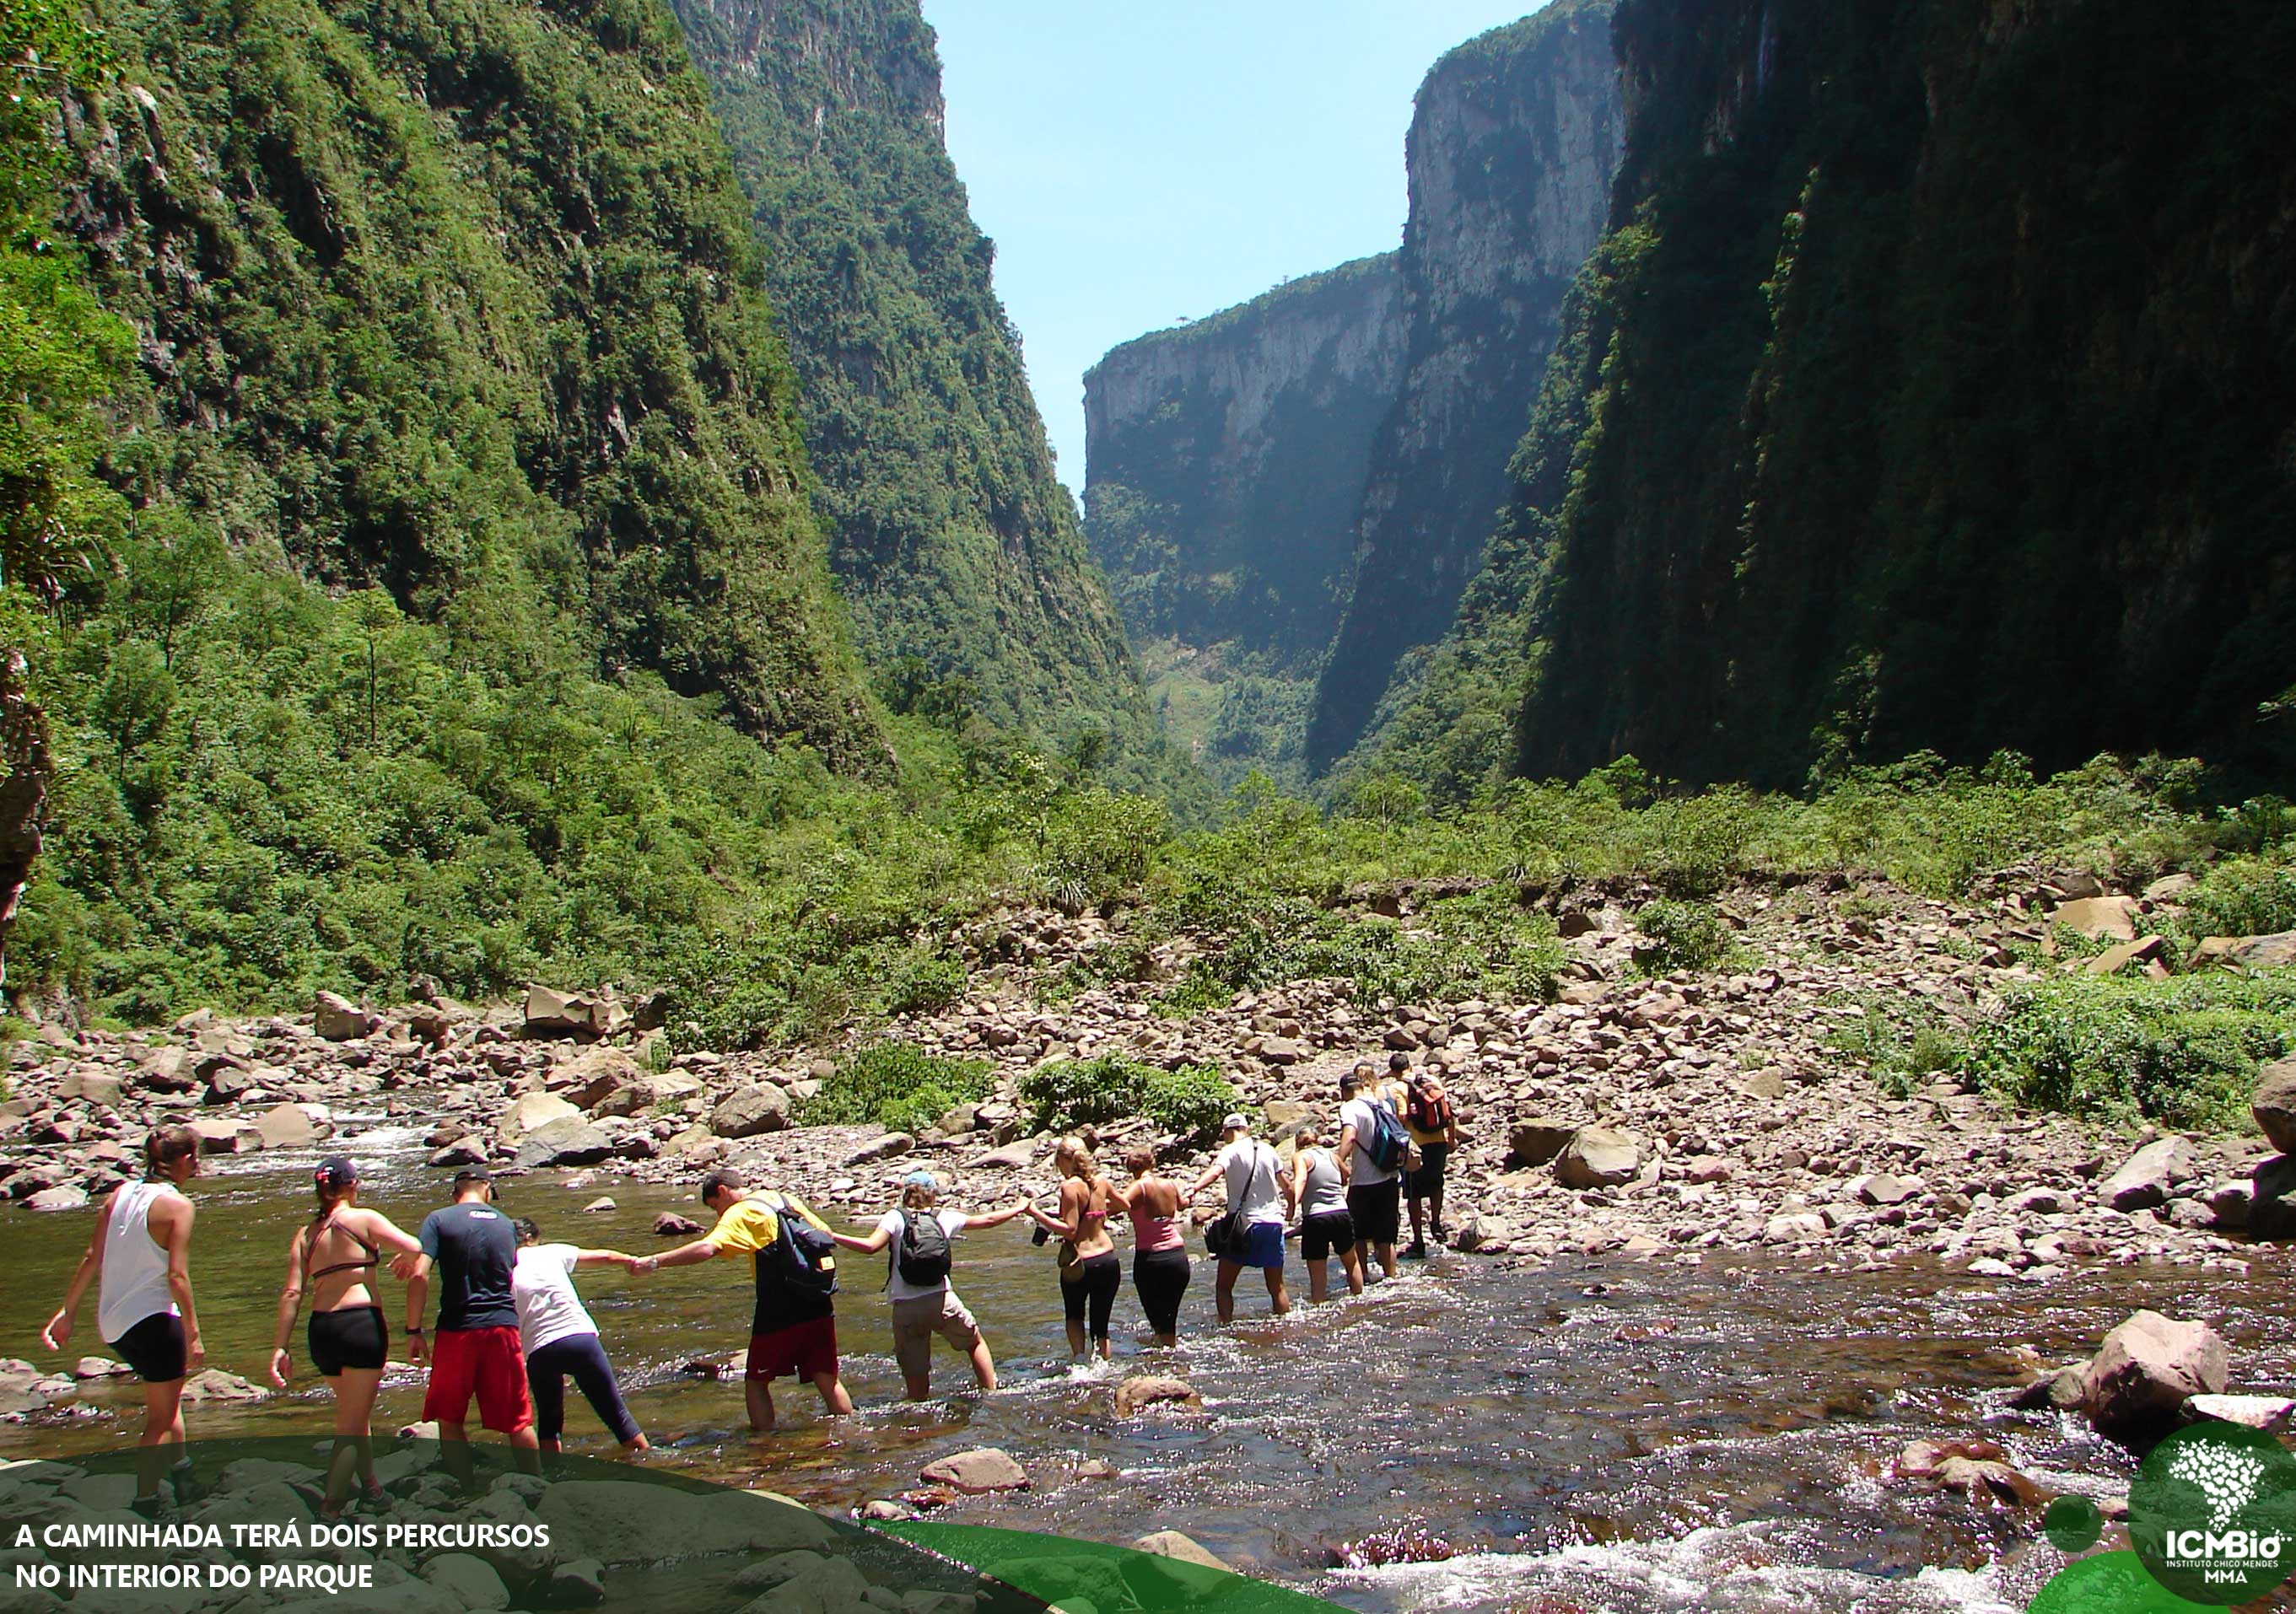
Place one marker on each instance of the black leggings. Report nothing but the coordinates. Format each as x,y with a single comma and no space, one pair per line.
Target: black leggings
1161,1277
1097,1279
583,1356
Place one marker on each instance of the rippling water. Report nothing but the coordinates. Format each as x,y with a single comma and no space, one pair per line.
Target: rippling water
1604,1434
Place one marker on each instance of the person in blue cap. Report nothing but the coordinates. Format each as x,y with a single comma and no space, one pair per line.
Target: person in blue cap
920,1235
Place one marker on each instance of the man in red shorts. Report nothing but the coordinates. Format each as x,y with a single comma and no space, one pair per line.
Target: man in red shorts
474,1247
794,1330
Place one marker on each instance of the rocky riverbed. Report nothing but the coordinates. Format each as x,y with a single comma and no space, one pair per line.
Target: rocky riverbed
1643,1114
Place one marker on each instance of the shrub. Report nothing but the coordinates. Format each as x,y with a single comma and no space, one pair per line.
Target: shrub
1681,936
2183,1053
922,984
1188,1102
2244,896
1077,1092
897,1085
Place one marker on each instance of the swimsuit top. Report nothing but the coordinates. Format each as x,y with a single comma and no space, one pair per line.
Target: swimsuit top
1151,1232
373,1253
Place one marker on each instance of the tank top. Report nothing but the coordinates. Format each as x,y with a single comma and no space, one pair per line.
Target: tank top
1151,1233
1326,1191
133,1282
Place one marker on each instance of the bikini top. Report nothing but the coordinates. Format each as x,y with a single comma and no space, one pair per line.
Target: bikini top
373,1253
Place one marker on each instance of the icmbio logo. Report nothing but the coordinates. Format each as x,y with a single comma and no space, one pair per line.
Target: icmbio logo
2212,1513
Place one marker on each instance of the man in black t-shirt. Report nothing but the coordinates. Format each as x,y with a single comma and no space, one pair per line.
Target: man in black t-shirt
473,1247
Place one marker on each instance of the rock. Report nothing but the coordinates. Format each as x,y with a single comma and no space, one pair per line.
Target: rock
2271,1414
1795,1228
91,1087
571,1140
587,1016
530,1112
1535,1142
2110,918
883,1510
2275,1104
750,1112
2146,1176
216,1384
577,1583
166,1070
1989,1479
1478,1232
885,1148
464,1151
781,1565
24,1389
2118,957
1144,1389
2147,1369
1767,1085
287,1126
595,1206
1015,1156
2170,886
1283,1050
339,1019
2277,951
62,1197
1171,1544
470,1581
1878,1188
978,1472
2272,1199
1285,1116
603,1081
669,1225
100,1367
2060,1391
1596,1157
830,1586
618,1521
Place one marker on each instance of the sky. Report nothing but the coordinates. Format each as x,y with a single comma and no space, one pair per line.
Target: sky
1140,163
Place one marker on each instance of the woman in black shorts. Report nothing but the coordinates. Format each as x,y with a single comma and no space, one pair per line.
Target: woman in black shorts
1090,1273
337,1255
1327,1228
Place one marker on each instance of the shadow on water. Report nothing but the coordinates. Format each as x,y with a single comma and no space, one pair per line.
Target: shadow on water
1601,1434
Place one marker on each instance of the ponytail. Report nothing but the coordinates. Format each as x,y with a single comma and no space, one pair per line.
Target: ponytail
165,1146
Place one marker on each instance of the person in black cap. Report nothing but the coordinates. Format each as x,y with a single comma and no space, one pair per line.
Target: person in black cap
474,1248
337,1256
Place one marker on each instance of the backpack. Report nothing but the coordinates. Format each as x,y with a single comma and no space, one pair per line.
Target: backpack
804,1257
921,1255
1387,1141
1430,1113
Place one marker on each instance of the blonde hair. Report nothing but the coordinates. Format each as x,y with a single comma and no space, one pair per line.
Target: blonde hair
1075,1153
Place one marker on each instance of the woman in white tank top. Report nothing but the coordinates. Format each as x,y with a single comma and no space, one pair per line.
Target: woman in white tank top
142,1249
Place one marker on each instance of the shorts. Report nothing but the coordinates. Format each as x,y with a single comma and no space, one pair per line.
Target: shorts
916,1321
1326,1234
1096,1280
802,1350
1376,1210
1161,1277
1429,1178
156,1347
482,1362
354,1337
1263,1247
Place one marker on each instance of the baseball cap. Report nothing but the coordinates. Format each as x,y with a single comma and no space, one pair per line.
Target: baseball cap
474,1173
1236,1123
335,1173
921,1179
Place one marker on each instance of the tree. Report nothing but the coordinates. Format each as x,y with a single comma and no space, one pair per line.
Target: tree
138,695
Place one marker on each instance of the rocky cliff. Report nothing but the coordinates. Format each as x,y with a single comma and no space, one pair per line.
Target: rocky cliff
1225,459
1513,146
955,543
1929,391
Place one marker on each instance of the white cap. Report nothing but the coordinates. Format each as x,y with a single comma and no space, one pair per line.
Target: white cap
1236,1123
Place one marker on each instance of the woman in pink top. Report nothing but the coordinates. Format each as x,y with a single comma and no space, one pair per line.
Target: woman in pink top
1160,1258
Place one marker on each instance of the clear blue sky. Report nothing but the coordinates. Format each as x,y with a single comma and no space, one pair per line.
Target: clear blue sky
1136,163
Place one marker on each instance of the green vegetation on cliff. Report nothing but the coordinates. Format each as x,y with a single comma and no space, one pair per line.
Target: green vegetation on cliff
959,551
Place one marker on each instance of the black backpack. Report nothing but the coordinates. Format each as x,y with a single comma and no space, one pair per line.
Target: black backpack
804,1257
921,1254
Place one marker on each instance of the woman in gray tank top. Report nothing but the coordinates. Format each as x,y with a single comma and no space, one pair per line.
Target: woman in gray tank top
1325,1227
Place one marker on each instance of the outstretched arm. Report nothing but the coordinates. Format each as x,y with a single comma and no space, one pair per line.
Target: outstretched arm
869,1245
685,1255
382,1230
995,1218
604,1257
1211,1174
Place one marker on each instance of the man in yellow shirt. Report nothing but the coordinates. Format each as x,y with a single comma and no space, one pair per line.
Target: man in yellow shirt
794,1329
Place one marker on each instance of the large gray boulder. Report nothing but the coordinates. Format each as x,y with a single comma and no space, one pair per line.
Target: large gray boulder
978,1472
2275,1104
750,1112
2147,1177
587,1016
1596,1157
531,1112
2138,1383
339,1019
571,1140
1537,1140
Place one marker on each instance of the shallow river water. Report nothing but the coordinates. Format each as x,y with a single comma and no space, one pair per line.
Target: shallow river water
1605,1434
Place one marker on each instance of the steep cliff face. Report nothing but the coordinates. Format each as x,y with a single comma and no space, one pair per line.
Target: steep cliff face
1931,390
1225,459
1512,151
952,540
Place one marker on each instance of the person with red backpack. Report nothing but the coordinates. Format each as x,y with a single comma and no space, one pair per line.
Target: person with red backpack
793,1332
1434,1128
917,1280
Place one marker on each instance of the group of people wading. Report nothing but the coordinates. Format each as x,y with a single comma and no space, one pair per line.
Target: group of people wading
511,1329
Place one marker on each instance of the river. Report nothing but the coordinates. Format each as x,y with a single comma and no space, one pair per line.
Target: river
1605,1433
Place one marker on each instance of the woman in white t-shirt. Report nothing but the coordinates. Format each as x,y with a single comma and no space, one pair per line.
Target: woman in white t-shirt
559,1337
917,1281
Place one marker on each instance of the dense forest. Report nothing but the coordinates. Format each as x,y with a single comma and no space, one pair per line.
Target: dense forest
958,550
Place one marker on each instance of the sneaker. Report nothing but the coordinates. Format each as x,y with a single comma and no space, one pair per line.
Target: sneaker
1415,1251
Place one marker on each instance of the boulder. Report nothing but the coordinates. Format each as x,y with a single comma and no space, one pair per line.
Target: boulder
216,1384
1794,1227
2273,1414
2119,956
2275,1104
1596,1157
287,1126
24,1389
61,1197
2149,1367
2276,951
1012,1157
224,1136
1878,1188
618,1521
891,1145
2060,1391
577,1583
591,1079
339,1019
1535,1142
569,1141
166,1070
463,1151
530,1112
1283,1050
599,1205
1477,1232
470,1580
1183,1548
1145,1389
1285,1116
586,1016
2272,1198
100,1367
669,1225
1989,1479
2146,1176
828,1586
2105,918
978,1472
750,1112
91,1087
